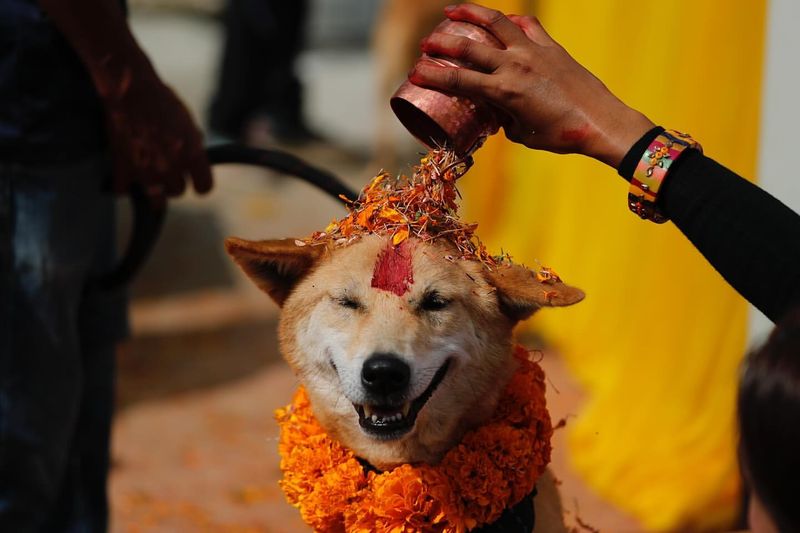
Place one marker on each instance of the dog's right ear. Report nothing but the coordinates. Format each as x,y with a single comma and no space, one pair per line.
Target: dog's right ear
275,266
520,293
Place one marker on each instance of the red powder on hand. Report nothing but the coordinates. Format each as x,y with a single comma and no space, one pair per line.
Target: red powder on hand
575,135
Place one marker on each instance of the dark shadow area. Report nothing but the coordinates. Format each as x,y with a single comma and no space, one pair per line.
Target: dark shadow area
188,255
155,367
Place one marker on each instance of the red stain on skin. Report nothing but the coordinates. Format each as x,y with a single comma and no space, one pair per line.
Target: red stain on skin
575,135
417,74
393,271
436,48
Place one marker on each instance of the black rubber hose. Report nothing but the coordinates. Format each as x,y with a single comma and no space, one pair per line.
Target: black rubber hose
148,218
282,162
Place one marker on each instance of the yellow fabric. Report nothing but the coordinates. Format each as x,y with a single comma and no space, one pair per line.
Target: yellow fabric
657,342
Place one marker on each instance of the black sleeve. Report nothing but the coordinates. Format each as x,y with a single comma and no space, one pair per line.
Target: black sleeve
749,236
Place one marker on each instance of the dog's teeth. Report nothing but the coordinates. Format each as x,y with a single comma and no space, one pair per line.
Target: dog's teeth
374,417
406,408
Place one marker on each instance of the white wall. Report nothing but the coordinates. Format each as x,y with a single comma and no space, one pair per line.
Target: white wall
779,148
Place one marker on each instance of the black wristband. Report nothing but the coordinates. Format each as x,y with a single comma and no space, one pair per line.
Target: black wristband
631,159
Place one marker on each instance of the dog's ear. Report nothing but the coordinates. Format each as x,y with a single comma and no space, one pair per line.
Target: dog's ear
275,266
520,293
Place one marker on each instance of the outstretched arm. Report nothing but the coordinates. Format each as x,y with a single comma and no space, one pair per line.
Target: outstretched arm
153,138
551,102
750,237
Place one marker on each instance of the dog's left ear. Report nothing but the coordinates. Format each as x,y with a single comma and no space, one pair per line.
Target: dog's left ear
521,294
275,266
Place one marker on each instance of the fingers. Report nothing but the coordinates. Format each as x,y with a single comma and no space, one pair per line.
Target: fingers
156,195
200,171
496,22
156,145
428,73
462,48
161,181
174,184
155,169
533,29
192,165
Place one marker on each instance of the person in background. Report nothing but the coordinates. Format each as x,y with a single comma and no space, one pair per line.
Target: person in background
257,82
645,281
769,410
82,111
550,102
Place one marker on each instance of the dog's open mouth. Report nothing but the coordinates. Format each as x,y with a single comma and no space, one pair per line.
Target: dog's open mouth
387,422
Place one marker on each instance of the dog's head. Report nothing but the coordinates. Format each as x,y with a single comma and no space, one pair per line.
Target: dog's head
403,348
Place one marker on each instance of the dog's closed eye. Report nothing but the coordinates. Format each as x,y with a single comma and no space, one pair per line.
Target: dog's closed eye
349,302
432,300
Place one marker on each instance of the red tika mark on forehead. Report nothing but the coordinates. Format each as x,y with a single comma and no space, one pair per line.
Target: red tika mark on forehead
393,270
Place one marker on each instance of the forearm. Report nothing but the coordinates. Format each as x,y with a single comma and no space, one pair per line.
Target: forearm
750,237
98,32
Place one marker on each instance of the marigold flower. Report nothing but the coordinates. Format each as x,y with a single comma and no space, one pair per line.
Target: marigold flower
423,205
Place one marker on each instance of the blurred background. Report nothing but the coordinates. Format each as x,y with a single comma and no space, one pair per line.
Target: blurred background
644,377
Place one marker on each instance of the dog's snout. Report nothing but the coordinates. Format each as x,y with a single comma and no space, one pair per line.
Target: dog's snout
385,374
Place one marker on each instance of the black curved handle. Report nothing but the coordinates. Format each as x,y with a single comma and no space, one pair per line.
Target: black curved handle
282,162
148,218
147,222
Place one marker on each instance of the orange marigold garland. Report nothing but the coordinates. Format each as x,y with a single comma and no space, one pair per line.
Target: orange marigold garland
492,469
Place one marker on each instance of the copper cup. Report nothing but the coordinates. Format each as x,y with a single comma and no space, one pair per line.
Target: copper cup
446,120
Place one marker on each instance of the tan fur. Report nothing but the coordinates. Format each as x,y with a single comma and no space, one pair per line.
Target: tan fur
327,343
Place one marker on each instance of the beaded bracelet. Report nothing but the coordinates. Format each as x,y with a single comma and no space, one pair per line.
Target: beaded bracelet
654,166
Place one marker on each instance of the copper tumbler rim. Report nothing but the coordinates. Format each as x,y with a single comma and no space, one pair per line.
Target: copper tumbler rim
424,128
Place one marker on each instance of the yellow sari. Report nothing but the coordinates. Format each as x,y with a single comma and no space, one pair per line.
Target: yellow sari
657,342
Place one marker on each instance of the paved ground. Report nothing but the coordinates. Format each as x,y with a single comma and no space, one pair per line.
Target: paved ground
194,440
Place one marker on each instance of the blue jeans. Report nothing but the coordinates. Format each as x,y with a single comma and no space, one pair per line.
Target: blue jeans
56,347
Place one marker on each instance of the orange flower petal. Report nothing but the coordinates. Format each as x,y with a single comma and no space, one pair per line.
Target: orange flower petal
391,214
400,235
426,202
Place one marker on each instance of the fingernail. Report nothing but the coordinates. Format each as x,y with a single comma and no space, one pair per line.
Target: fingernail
424,63
450,8
416,74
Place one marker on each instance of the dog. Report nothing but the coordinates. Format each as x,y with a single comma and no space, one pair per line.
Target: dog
402,349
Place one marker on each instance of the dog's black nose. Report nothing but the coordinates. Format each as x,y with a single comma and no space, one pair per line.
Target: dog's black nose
385,374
